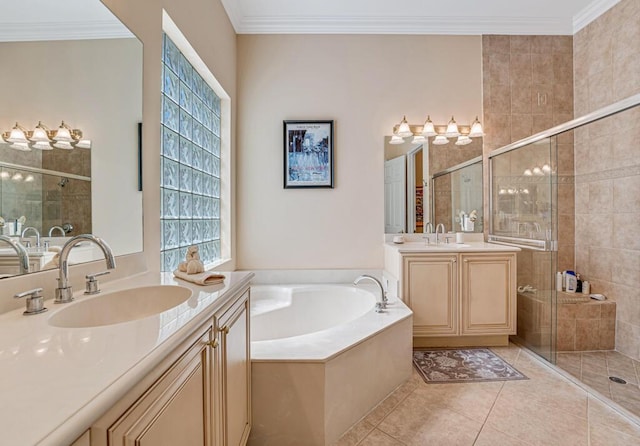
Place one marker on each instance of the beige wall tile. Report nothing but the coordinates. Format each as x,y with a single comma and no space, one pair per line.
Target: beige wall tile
590,310
542,68
520,69
499,68
626,81
542,44
500,125
541,121
625,147
600,197
626,269
521,126
625,231
587,334
626,194
498,99
520,44
520,99
600,260
600,89
542,99
496,44
627,339
566,339
601,153
563,44
607,334
563,69
562,98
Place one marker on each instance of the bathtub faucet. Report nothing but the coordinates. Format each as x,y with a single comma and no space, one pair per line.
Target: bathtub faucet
382,304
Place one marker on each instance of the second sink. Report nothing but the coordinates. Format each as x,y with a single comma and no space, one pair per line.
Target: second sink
120,306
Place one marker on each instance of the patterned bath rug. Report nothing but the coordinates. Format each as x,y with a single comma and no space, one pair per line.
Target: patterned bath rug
462,365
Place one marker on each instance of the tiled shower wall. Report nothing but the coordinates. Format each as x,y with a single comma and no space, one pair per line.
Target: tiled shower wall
607,155
528,88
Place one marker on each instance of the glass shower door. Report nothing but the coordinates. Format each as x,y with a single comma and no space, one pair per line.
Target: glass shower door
523,213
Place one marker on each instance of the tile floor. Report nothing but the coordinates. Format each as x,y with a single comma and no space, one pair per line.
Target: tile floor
594,369
547,409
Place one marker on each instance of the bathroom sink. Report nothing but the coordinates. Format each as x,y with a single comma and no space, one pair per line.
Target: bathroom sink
120,306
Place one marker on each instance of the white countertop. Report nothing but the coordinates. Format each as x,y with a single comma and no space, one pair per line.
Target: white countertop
55,382
422,247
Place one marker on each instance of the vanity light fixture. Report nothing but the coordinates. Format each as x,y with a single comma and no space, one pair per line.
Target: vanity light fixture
395,139
442,133
463,140
418,139
43,138
404,131
440,140
452,129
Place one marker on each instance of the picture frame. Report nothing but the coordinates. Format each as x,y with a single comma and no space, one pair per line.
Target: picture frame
308,154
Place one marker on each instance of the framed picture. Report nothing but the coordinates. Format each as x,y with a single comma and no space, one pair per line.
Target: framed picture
308,154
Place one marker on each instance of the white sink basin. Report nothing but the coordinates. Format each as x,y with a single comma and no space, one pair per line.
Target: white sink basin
120,306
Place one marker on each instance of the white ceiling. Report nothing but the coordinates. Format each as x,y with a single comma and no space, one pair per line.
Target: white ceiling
413,16
23,20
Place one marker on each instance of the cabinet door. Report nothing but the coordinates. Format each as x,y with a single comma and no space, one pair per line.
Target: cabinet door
430,283
234,372
488,285
176,409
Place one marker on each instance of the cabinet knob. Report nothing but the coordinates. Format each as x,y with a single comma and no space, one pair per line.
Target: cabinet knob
225,329
213,344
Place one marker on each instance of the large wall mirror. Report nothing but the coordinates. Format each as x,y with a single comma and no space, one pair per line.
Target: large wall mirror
410,199
70,61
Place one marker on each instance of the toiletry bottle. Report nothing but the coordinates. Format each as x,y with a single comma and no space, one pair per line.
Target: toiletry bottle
586,287
570,282
559,281
578,283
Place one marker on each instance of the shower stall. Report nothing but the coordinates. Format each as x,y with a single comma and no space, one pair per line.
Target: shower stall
568,197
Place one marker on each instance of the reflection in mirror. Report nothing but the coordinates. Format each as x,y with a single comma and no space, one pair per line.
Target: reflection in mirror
409,169
457,197
91,80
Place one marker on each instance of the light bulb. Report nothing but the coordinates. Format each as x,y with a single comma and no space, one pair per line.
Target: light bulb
537,171
395,139
39,134
463,140
63,134
476,129
17,176
4,175
404,131
452,129
546,168
440,140
17,135
418,139
428,129
29,178
527,172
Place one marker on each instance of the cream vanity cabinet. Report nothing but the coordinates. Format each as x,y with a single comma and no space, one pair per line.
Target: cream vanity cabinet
199,396
460,298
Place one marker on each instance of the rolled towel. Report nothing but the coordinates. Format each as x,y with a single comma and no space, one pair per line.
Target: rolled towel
204,278
55,261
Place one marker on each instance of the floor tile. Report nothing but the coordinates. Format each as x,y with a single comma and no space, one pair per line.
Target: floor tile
354,435
414,423
492,437
548,409
378,438
473,400
601,414
539,424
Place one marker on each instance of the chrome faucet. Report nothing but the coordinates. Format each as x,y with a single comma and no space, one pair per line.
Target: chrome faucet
440,225
64,293
428,228
22,253
59,228
382,304
31,228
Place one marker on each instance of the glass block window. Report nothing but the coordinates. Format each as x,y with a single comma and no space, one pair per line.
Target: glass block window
190,170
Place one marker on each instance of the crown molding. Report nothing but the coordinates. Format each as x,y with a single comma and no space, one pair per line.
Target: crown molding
401,25
591,12
234,12
38,31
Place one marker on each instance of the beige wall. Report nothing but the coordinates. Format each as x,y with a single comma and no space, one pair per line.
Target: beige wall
206,26
363,82
607,155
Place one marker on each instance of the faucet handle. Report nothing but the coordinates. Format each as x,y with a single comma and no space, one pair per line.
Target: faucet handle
91,286
35,301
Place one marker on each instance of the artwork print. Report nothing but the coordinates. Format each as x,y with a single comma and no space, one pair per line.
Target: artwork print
308,154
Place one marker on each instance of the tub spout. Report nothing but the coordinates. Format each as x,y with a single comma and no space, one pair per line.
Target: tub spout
382,303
